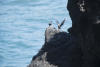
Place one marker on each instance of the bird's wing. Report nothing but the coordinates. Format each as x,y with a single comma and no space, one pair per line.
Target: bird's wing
62,22
57,22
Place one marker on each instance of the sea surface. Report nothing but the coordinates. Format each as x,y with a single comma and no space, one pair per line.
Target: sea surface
22,27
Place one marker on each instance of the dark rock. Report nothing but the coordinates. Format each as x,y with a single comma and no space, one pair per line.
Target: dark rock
85,27
78,48
58,51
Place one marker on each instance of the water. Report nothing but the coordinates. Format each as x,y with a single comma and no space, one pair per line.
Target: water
22,27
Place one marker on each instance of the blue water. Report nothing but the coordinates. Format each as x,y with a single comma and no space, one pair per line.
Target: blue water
22,27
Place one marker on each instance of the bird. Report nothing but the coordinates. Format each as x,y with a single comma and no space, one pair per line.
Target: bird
60,24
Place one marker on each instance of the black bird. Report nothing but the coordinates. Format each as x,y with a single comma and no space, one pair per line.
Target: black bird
60,25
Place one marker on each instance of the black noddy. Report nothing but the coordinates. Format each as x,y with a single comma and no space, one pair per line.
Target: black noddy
60,24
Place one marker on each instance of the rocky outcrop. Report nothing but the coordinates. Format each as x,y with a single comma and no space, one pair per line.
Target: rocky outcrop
79,47
85,27
58,51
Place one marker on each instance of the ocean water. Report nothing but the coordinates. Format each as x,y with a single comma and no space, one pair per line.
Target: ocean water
22,27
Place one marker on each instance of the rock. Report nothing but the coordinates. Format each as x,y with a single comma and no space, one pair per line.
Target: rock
78,48
49,33
85,27
58,52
